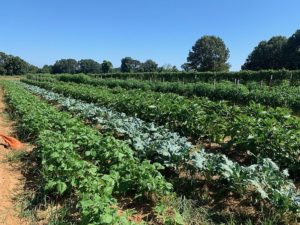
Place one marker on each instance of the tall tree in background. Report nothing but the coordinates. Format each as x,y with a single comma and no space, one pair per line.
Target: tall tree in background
186,67
291,52
88,66
65,66
33,69
2,63
106,66
46,69
129,65
208,54
167,68
14,65
267,55
149,66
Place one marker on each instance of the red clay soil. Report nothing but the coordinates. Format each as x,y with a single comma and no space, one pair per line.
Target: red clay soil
11,179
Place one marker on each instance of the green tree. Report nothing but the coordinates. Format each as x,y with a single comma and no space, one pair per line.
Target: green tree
2,63
116,70
14,65
88,66
267,55
149,66
65,66
129,65
33,69
46,69
291,53
167,68
186,67
106,66
208,54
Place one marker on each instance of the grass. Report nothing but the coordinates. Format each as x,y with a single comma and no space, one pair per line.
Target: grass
211,204
15,156
191,213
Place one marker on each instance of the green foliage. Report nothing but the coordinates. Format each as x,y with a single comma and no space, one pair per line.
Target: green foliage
277,53
45,69
167,68
264,180
33,69
279,95
88,66
266,132
168,216
65,66
149,66
267,76
291,52
267,55
13,65
129,65
77,160
155,143
208,54
106,66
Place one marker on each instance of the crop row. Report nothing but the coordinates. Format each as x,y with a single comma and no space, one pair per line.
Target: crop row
280,95
65,149
264,178
148,140
274,76
272,133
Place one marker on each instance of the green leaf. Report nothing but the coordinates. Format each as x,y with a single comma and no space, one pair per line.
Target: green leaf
106,218
61,187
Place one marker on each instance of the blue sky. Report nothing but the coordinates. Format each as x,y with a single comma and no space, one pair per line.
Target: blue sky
42,31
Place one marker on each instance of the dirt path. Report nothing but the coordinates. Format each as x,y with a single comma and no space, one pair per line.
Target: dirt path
11,179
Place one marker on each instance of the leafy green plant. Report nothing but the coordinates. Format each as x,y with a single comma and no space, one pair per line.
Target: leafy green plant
279,95
77,160
265,132
264,178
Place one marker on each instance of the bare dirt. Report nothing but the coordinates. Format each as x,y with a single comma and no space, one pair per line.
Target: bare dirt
11,179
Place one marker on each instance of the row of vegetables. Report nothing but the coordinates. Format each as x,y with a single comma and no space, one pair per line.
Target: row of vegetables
279,95
77,161
264,180
149,141
244,76
265,132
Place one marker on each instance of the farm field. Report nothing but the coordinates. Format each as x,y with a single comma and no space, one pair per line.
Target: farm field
150,112
201,120
134,155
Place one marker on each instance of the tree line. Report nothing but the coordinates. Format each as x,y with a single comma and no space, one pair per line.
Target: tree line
278,52
209,53
90,66
14,65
